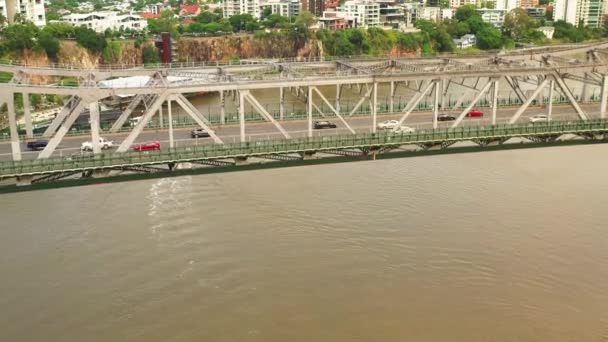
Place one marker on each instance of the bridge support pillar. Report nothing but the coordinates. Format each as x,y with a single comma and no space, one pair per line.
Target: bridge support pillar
550,104
585,91
391,104
338,95
494,101
27,115
12,122
374,106
281,103
242,115
436,103
160,117
94,119
604,99
540,97
240,161
170,118
24,180
310,112
223,107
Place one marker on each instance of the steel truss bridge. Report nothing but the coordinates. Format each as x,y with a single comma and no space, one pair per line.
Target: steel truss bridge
548,75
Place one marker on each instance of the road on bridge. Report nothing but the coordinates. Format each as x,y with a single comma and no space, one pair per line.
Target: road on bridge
229,133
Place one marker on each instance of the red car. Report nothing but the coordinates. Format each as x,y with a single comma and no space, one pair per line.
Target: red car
475,113
154,145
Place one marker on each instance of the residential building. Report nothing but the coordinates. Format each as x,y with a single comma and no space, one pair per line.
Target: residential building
285,8
587,12
101,21
426,13
85,7
32,10
547,31
507,4
331,4
234,7
392,14
460,3
536,12
495,17
154,8
466,41
189,10
528,3
360,13
447,13
331,21
315,7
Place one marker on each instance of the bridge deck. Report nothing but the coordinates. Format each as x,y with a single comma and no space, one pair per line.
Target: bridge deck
117,161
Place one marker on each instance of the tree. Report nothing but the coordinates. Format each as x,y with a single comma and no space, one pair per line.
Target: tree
306,19
151,55
379,41
443,39
465,12
59,30
240,21
206,17
266,12
49,43
456,28
489,38
408,41
518,23
276,21
20,36
90,39
166,23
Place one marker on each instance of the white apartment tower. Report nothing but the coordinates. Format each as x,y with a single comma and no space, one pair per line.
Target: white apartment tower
32,10
587,12
507,4
360,13
234,7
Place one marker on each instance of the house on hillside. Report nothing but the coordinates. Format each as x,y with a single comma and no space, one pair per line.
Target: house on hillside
189,10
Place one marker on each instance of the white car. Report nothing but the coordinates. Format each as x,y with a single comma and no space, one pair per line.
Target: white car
103,143
539,118
388,124
405,129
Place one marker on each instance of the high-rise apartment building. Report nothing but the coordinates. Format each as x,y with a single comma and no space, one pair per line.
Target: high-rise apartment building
315,7
234,7
575,12
32,10
507,4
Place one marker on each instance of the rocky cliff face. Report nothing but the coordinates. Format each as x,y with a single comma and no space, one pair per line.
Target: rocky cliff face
243,46
120,52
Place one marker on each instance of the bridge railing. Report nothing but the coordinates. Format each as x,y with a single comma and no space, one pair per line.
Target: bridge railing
283,146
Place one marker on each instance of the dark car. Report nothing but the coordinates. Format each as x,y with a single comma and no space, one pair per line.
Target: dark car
445,117
199,133
324,124
37,144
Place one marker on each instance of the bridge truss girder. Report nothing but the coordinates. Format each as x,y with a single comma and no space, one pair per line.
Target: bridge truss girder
447,74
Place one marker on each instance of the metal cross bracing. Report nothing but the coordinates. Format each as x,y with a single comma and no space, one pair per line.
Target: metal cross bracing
32,171
473,79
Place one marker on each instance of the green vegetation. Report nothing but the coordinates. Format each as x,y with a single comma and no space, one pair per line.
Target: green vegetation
150,55
373,41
